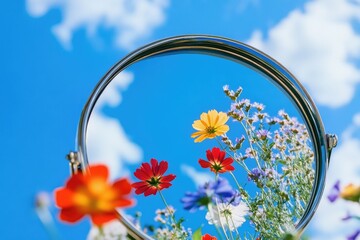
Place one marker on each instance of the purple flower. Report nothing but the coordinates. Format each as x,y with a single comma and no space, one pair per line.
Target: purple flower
354,235
210,192
334,192
256,174
249,153
263,134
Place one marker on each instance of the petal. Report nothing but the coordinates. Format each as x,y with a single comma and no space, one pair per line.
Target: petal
227,161
195,134
168,178
205,119
146,168
213,117
163,166
100,218
139,184
164,185
154,166
75,181
204,164
222,129
228,168
221,155
223,118
141,189
64,197
209,155
199,125
150,191
141,174
123,202
99,171
70,215
122,186
201,138
215,152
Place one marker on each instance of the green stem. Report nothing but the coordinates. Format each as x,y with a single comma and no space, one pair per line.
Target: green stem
168,209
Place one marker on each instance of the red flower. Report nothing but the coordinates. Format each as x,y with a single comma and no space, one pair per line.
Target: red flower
91,194
152,179
208,237
217,161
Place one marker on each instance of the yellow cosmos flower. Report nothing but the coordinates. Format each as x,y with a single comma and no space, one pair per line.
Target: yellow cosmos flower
351,192
210,125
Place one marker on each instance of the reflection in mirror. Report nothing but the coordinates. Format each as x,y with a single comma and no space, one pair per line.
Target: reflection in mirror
212,147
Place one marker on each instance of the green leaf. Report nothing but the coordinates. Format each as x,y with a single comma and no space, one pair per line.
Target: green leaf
197,234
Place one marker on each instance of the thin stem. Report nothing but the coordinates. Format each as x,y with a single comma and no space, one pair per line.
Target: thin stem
213,218
221,223
168,209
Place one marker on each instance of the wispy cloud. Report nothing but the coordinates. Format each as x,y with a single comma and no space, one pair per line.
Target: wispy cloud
107,141
319,44
130,20
344,166
199,178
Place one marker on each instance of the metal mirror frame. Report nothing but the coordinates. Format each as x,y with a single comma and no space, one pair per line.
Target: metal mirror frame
235,51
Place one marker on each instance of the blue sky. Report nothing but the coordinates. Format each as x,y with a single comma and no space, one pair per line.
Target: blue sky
54,52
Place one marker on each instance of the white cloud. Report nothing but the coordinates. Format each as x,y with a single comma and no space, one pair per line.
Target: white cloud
344,166
107,141
130,20
199,178
318,44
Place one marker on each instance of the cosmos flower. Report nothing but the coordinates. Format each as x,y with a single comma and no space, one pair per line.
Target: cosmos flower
210,125
208,237
216,161
228,215
152,178
351,192
91,194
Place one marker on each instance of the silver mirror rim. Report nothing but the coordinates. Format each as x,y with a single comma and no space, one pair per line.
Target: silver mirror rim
236,51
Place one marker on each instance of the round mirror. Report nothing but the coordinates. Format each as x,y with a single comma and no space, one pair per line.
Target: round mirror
216,137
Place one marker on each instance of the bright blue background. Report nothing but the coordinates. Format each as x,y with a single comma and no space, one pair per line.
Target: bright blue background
44,88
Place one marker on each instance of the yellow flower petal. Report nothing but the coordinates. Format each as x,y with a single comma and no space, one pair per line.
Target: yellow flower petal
201,138
199,125
205,119
213,117
195,134
223,118
222,129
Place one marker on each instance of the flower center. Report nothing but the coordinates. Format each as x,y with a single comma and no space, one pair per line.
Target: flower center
216,167
226,212
210,130
154,181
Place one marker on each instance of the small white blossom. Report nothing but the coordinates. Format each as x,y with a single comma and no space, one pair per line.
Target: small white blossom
228,215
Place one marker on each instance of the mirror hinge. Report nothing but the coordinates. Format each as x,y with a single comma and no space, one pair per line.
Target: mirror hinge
332,142
75,165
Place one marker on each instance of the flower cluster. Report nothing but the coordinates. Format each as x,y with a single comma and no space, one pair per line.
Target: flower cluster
272,158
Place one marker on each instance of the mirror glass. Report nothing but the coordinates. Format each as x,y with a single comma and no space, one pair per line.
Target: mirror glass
215,147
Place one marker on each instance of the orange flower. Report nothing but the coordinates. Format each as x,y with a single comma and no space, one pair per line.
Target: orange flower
208,237
210,125
91,194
